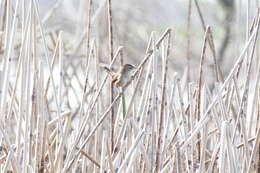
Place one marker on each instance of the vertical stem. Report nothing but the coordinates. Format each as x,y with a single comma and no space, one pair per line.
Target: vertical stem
3,14
162,111
188,39
200,82
88,24
110,32
247,26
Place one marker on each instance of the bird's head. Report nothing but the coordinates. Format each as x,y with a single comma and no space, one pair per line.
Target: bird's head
128,67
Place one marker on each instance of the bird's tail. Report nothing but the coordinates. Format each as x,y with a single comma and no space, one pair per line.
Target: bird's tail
111,73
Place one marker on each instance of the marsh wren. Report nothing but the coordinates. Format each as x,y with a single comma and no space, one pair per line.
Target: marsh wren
121,77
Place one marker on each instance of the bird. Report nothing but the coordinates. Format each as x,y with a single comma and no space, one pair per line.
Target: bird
121,77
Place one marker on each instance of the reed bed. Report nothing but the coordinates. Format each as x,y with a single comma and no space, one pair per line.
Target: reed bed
160,121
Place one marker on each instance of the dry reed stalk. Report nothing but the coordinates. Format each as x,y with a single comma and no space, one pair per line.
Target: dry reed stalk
151,115
46,55
66,168
157,123
218,72
95,98
198,111
7,60
232,72
189,39
162,106
111,54
89,6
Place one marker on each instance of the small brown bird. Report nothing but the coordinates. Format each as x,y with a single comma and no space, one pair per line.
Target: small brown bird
122,76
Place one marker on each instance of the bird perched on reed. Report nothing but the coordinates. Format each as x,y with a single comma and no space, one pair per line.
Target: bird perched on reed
121,77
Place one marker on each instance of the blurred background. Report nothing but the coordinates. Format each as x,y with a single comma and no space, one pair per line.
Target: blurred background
133,22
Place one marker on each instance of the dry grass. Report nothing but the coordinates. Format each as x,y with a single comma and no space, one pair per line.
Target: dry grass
159,122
